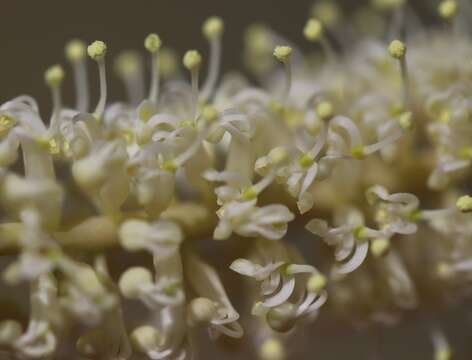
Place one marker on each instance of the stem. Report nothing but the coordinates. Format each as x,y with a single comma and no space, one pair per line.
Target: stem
405,83
57,107
81,86
288,82
214,69
155,79
100,109
194,79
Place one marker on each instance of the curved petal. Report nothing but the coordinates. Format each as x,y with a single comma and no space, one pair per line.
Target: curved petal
355,261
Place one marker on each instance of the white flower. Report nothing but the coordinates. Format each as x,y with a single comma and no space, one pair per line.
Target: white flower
350,240
161,238
214,307
246,219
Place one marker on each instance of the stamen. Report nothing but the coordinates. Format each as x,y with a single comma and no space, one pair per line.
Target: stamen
325,110
97,51
153,43
284,55
213,30
54,77
168,62
128,66
448,9
314,32
192,61
397,50
76,52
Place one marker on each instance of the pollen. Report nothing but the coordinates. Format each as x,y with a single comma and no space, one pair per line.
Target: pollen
464,204
192,60
75,50
397,49
448,9
306,161
325,110
313,30
210,114
152,43
213,27
54,75
283,53
316,283
97,50
248,193
358,153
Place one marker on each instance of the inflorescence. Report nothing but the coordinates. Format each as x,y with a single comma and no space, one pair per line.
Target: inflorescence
345,136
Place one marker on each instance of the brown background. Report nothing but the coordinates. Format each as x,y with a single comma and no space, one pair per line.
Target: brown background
33,32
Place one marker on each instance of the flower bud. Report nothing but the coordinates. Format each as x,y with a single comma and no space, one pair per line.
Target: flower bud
145,338
132,281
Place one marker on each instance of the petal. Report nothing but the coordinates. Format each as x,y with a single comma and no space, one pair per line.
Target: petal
356,260
288,285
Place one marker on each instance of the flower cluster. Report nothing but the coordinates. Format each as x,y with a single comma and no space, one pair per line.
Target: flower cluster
345,136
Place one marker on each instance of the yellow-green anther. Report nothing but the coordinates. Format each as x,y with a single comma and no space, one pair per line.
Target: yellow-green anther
210,113
97,50
170,166
406,120
192,60
316,283
313,30
75,50
278,155
448,9
379,247
249,193
397,49
325,110
283,53
464,203
54,75
152,43
358,153
306,161
213,27
360,233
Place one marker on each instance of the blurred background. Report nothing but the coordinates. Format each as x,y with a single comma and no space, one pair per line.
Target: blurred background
33,33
